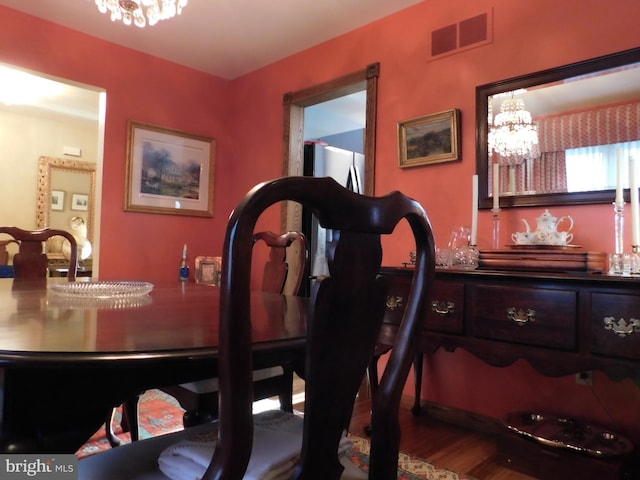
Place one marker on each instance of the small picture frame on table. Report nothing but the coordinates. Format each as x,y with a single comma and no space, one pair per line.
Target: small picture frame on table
208,270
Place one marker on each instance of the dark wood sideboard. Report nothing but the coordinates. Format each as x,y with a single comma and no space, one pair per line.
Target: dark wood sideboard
561,324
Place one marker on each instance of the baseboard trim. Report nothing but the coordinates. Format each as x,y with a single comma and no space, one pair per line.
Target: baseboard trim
462,418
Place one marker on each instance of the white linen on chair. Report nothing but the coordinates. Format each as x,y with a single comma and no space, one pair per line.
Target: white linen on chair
213,384
277,440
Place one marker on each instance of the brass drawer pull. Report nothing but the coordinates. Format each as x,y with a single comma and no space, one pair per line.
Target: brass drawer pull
394,302
443,308
622,328
521,317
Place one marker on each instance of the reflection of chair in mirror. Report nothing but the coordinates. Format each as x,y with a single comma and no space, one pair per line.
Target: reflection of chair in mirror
30,262
344,323
281,274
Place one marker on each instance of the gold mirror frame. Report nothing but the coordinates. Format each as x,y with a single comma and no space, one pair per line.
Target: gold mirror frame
43,202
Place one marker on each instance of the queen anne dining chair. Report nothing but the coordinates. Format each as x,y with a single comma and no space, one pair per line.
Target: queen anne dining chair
345,319
30,262
285,271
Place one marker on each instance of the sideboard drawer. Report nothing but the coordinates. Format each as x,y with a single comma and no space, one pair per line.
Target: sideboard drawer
444,310
526,315
615,325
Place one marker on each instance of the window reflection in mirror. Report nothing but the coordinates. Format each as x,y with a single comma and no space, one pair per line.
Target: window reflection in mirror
584,114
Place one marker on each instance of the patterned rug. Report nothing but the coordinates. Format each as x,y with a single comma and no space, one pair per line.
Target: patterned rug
160,413
409,467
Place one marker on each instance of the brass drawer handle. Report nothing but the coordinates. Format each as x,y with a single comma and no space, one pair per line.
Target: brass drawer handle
443,308
622,328
521,317
394,302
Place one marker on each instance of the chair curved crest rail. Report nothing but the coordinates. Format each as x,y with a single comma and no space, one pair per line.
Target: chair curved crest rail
30,262
346,310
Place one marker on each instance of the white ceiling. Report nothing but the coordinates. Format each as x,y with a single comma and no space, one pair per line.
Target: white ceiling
227,38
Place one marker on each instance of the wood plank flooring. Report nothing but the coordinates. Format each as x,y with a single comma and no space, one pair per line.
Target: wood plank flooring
444,444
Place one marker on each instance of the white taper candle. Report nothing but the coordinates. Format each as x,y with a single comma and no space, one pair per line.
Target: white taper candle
496,186
633,192
619,180
474,210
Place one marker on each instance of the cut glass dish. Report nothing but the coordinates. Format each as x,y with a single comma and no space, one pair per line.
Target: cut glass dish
102,289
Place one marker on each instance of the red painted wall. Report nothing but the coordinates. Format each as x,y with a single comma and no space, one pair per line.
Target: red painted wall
525,39
143,88
245,115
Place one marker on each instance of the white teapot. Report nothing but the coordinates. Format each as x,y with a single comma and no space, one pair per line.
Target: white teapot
547,232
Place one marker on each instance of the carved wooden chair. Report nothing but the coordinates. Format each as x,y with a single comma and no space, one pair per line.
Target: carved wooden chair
30,262
346,313
284,272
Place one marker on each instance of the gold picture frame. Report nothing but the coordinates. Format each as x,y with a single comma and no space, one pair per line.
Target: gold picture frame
429,139
208,270
169,171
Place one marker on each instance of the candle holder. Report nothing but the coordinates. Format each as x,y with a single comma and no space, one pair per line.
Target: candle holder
627,263
496,228
618,223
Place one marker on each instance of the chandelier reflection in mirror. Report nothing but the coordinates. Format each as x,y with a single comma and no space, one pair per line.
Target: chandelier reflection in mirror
134,10
512,132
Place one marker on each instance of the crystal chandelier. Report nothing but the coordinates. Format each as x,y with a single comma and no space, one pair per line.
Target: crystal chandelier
513,133
133,10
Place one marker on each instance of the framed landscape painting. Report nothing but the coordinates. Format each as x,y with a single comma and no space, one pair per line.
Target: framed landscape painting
429,139
169,171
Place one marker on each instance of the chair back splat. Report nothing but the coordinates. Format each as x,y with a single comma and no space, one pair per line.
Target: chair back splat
347,312
30,262
278,267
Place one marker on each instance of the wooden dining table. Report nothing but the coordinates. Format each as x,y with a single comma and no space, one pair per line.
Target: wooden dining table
66,361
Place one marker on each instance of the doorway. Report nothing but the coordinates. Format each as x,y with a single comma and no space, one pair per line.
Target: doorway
294,138
293,131
61,121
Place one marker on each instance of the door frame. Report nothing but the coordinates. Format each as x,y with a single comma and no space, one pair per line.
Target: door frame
294,104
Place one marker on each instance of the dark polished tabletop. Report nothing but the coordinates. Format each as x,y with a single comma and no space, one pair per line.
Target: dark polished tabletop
78,357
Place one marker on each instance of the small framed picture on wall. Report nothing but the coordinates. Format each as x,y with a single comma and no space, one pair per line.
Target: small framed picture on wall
57,200
80,202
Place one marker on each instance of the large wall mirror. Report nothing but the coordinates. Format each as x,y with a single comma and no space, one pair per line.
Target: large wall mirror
583,116
66,201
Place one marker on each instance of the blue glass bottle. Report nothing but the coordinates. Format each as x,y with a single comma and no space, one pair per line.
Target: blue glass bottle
184,268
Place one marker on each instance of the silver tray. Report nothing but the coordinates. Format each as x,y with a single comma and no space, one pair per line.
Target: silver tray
102,289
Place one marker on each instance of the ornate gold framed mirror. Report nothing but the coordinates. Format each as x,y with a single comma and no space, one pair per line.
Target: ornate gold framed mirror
65,197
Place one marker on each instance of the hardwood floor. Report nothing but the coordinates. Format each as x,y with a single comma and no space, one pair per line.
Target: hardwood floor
444,444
